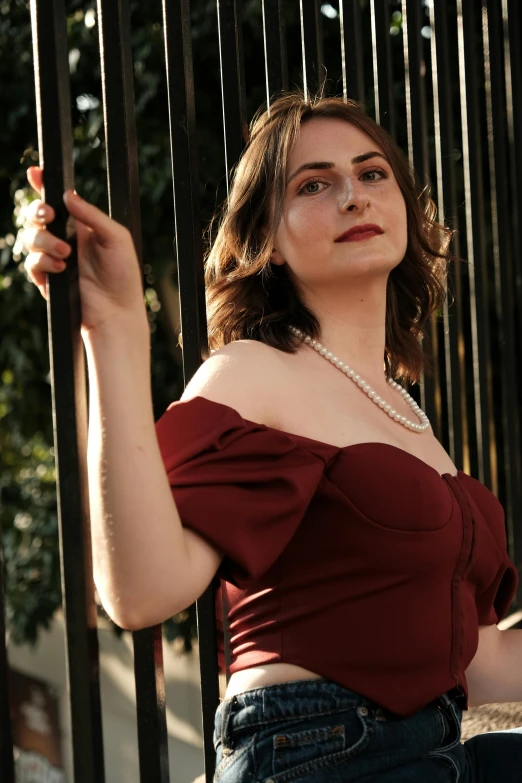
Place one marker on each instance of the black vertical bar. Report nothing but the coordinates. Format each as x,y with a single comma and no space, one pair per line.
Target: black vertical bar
274,38
150,703
6,734
191,284
69,400
441,65
311,46
512,15
351,49
236,135
479,289
209,673
185,181
382,66
415,69
123,191
512,24
498,147
232,66
118,109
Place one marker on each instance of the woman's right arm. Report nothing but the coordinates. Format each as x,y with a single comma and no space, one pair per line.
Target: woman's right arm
147,567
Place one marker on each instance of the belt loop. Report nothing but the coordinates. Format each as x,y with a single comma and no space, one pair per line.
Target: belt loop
226,714
444,698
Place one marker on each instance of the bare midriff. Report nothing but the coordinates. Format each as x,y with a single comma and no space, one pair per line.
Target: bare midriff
269,674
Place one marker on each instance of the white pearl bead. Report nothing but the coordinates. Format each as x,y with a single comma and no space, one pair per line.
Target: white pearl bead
367,389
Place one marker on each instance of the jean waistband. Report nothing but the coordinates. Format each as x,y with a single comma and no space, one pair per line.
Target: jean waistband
284,701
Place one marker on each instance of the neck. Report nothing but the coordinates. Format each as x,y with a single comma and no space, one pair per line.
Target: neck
353,327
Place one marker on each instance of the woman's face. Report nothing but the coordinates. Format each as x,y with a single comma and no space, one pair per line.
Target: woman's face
338,178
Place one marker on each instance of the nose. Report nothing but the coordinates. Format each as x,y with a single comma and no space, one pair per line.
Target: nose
354,196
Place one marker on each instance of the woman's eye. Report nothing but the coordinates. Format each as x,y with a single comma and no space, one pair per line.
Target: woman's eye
312,187
382,174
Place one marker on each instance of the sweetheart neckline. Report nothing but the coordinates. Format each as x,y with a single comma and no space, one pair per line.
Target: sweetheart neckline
331,445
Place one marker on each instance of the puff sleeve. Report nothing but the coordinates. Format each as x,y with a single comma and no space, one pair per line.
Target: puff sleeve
243,486
493,602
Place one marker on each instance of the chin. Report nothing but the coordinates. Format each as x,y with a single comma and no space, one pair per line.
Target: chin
379,265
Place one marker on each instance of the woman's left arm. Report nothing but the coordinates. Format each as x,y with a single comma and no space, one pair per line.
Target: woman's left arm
494,676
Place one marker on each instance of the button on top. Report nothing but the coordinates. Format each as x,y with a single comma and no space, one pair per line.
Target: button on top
362,711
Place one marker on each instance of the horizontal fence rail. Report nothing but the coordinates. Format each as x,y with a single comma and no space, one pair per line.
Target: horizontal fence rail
446,81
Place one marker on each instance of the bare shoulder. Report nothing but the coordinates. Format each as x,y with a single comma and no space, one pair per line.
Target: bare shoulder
245,375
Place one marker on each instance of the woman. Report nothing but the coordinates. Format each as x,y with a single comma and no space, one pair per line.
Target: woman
364,574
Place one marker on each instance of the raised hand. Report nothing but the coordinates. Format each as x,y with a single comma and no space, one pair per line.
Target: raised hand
109,273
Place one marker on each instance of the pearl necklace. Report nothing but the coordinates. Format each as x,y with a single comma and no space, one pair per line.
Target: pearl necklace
392,413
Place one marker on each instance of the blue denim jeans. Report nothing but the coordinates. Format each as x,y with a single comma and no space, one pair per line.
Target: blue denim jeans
318,732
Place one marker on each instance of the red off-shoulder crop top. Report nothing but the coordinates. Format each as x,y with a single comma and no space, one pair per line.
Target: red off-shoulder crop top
362,564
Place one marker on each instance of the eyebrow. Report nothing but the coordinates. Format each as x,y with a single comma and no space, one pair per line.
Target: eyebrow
324,164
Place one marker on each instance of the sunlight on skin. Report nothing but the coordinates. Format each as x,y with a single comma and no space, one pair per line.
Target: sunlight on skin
350,183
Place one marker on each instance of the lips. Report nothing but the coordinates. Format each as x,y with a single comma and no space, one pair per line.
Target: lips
364,231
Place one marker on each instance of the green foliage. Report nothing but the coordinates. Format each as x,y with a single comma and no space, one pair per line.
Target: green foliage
33,588
28,511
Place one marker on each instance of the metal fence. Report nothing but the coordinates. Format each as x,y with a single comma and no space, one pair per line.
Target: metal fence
457,92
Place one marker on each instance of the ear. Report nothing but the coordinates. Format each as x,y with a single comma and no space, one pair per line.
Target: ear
276,257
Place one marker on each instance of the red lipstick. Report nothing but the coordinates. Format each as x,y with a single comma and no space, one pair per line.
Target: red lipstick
357,233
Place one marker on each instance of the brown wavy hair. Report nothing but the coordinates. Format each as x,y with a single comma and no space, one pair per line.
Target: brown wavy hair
248,297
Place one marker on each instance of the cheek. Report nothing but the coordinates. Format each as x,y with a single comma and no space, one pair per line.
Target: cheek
399,221
304,222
